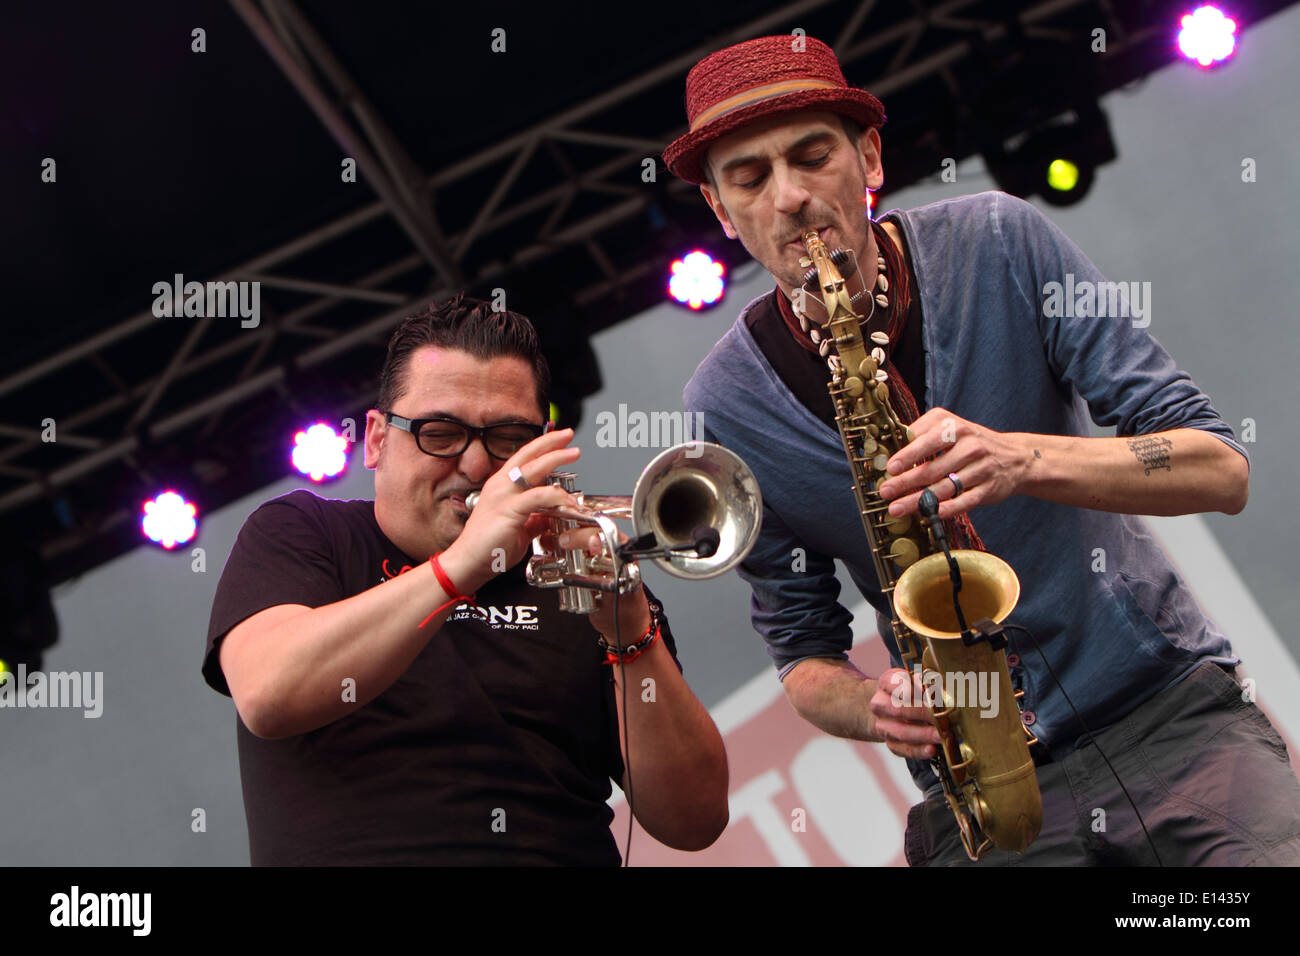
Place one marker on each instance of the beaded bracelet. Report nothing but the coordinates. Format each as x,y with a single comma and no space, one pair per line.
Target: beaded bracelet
632,651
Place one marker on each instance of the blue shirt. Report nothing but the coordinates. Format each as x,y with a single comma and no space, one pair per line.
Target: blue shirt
1114,618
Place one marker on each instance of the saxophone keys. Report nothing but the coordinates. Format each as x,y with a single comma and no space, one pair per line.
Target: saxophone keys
961,765
882,392
879,462
804,262
869,446
867,368
903,552
900,525
854,386
979,809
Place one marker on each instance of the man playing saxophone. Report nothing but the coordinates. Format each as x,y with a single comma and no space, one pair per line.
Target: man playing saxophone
997,387
403,696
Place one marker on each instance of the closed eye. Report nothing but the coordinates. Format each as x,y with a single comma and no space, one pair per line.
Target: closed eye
811,163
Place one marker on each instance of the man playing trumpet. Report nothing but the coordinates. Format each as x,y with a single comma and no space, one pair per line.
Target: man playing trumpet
404,697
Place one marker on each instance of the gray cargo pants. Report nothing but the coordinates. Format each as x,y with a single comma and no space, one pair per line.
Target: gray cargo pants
1207,770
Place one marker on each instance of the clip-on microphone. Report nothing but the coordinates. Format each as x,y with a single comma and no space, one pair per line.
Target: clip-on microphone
704,542
983,630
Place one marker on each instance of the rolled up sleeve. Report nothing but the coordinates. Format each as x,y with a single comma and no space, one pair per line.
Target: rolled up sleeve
794,605
795,601
1107,355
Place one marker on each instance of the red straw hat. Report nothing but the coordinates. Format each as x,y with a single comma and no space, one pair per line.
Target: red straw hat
759,78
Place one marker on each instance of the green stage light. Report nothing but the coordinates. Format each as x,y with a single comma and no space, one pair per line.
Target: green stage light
1062,175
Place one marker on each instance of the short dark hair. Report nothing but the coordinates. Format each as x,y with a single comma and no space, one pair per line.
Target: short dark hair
852,129
470,325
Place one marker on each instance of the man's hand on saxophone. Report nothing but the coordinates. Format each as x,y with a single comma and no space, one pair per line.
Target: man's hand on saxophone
990,466
1192,472
905,728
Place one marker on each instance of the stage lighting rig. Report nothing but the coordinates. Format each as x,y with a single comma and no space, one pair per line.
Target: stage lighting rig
28,626
1057,161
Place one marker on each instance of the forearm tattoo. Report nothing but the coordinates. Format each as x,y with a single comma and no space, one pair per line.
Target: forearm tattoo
1152,452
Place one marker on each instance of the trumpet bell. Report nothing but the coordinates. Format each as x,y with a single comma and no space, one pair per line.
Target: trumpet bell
694,486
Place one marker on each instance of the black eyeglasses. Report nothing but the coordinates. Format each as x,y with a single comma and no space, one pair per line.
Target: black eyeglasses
448,438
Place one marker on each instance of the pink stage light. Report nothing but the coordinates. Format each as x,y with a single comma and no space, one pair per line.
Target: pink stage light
1207,36
169,520
697,280
319,452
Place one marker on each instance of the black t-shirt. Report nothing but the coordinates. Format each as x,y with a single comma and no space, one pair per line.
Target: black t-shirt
805,372
496,746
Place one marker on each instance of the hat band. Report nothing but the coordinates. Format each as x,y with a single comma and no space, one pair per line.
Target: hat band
759,93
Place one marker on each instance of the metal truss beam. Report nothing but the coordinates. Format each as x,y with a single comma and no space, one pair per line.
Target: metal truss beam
438,255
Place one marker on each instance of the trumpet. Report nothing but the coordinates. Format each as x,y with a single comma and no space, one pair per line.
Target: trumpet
695,512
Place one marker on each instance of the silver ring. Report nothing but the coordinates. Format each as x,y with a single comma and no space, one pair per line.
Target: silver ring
952,476
518,478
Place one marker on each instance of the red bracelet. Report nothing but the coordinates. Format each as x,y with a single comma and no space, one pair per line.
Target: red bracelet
632,651
444,581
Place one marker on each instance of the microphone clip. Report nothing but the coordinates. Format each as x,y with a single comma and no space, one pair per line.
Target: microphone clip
985,630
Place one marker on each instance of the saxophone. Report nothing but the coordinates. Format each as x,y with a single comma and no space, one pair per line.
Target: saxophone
983,762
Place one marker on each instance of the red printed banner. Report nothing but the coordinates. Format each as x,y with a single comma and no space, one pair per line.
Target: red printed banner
799,797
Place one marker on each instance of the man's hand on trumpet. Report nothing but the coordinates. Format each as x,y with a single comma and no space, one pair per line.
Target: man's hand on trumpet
633,609
504,518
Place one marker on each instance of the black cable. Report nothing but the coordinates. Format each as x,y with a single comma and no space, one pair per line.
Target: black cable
1141,822
929,508
627,747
